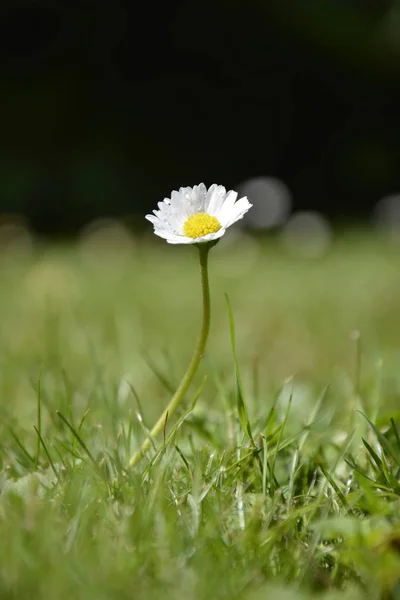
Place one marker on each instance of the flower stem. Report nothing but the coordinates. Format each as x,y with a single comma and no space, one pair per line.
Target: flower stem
178,397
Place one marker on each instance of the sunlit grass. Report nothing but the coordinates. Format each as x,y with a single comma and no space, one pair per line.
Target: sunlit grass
282,487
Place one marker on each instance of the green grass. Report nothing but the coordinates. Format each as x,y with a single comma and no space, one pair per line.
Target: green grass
283,479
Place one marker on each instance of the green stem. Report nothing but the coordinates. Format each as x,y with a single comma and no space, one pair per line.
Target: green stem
197,356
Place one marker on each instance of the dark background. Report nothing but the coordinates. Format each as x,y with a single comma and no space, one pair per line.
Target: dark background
108,106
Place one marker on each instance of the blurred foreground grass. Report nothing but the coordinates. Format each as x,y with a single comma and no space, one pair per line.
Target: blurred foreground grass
103,331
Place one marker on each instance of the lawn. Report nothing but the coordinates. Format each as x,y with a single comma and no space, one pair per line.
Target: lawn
286,486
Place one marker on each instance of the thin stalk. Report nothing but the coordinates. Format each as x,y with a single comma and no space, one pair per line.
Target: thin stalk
178,397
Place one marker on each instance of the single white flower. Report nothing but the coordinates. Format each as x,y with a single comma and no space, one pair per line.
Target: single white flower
196,215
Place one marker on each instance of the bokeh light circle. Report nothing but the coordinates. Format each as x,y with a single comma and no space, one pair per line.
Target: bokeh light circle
271,200
307,234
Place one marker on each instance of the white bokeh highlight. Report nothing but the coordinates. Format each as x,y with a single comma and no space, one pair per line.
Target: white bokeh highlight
307,234
106,237
271,200
15,236
386,216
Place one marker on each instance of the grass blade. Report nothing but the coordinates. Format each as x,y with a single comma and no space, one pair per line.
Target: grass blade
47,453
77,437
241,403
21,446
39,418
384,442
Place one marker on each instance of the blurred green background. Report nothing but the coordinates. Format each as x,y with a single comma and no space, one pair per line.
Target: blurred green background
107,312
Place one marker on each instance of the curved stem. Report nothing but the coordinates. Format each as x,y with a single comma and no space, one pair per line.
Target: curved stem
197,356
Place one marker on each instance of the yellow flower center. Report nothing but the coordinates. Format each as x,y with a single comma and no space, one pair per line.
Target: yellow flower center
201,224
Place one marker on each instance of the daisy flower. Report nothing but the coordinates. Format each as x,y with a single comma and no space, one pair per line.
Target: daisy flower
193,216
197,215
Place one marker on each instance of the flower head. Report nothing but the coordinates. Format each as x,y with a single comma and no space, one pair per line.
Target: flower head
197,215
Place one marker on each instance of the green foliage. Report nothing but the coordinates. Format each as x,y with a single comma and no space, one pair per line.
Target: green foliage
281,478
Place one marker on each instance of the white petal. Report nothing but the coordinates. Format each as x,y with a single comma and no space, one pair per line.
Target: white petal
188,200
167,235
164,204
193,198
166,219
179,204
152,218
211,190
226,208
237,212
182,240
215,199
200,195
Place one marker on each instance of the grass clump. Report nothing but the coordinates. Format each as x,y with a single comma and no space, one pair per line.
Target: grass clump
281,474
